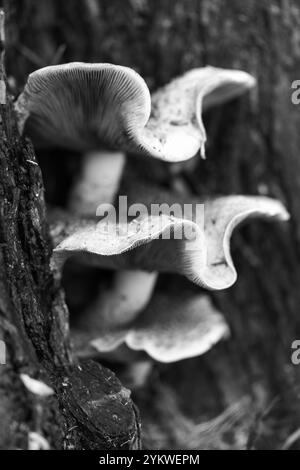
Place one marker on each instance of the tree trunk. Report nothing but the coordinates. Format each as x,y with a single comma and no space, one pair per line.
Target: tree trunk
253,148
89,408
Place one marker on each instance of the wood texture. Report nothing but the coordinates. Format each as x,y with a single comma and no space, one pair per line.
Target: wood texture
90,408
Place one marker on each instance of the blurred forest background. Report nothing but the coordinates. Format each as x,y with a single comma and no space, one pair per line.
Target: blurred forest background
245,392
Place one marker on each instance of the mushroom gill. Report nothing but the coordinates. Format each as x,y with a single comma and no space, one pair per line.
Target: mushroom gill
103,106
196,246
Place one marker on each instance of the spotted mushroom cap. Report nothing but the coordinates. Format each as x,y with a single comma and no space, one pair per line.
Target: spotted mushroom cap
90,106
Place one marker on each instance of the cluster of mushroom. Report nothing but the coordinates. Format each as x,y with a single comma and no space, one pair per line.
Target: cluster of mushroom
105,111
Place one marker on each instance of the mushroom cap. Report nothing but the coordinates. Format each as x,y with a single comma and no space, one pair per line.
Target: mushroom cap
173,327
81,106
164,243
176,117
88,106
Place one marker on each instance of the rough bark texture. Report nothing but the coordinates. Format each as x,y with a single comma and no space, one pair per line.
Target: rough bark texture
90,408
253,148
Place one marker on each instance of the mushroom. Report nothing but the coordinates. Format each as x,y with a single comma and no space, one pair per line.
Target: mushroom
198,249
101,108
201,252
98,107
91,106
168,327
174,326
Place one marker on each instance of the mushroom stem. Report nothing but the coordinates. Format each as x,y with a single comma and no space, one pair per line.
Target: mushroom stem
129,295
98,182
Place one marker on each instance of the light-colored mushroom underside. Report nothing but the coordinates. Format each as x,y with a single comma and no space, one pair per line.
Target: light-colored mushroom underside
173,327
91,106
200,251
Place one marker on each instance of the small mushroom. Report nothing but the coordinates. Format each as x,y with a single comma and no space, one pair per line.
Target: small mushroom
172,328
152,243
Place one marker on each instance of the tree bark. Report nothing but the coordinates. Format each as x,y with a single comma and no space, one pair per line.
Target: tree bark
90,408
253,148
